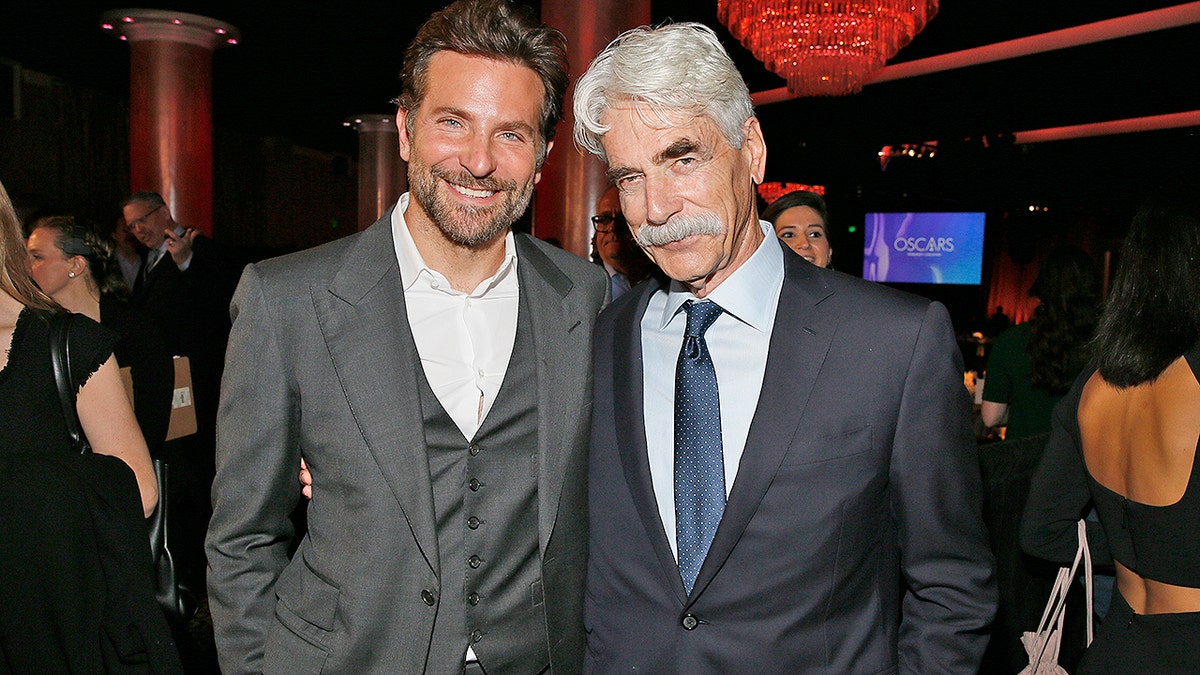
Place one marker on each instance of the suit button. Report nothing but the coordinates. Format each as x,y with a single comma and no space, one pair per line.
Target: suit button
473,599
474,561
473,449
474,523
476,636
475,485
690,622
427,597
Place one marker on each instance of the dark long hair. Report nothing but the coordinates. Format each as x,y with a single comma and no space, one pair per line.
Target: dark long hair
1152,316
1068,286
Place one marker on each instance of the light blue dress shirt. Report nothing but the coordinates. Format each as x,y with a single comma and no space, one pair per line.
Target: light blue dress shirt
738,342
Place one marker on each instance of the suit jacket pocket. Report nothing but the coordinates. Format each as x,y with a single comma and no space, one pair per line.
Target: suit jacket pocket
305,608
289,653
306,596
826,447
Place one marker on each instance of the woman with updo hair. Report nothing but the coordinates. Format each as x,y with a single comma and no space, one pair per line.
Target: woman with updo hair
74,264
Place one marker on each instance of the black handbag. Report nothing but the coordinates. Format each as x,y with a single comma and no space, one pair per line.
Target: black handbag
176,601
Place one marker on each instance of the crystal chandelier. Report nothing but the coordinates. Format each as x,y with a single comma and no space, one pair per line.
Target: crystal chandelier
825,48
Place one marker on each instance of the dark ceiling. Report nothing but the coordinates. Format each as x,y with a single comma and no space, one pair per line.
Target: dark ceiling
304,66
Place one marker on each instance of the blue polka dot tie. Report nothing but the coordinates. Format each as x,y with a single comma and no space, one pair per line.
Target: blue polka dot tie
699,463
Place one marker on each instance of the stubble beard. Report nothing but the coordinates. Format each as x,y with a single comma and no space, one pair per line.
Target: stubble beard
464,225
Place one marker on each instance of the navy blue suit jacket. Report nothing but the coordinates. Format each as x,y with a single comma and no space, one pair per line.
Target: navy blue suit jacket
852,541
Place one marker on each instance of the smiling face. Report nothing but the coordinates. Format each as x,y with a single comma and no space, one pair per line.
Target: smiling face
472,148
803,230
687,194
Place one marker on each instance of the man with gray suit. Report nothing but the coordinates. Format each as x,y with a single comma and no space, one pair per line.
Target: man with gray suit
433,372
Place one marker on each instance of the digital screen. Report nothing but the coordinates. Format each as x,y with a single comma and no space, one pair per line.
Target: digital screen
923,248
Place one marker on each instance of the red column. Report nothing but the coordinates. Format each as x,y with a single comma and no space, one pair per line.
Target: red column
170,106
382,175
571,182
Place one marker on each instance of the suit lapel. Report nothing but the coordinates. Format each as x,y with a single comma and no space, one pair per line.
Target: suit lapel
559,348
800,340
629,412
365,325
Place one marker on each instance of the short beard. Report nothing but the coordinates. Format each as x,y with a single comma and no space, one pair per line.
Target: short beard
465,226
679,227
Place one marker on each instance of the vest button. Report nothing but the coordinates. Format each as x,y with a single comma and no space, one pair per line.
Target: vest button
476,636
690,622
474,561
475,485
473,599
474,449
427,597
474,523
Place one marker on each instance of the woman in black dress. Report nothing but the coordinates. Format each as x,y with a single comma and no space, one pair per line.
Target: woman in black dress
1125,439
76,595
74,264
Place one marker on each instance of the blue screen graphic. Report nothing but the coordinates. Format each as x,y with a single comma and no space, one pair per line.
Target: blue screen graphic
923,248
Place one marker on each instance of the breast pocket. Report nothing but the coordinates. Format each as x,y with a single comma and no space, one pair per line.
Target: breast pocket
829,447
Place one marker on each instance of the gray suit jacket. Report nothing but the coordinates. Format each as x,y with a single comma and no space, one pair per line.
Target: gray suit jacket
322,364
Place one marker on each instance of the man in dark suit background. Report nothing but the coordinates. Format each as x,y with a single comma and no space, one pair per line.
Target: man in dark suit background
185,283
782,475
614,248
434,373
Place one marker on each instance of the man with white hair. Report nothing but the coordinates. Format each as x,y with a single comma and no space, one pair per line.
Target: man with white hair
782,476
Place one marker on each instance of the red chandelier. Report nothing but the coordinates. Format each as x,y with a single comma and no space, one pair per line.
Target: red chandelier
825,48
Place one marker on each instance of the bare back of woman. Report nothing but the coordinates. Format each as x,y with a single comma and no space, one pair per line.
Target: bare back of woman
1140,443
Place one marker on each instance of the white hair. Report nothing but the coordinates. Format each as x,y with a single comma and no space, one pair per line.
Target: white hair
675,68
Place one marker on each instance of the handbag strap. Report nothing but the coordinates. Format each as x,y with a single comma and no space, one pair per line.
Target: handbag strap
1087,574
60,361
1052,617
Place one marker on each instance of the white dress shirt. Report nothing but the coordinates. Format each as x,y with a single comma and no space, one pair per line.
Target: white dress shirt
738,341
464,339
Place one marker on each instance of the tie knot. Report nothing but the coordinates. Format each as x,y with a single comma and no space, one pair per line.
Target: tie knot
701,315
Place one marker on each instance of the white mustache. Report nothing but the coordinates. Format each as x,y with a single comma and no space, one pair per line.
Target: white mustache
679,227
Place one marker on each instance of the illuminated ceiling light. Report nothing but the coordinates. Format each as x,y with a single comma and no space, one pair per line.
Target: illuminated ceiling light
135,25
825,48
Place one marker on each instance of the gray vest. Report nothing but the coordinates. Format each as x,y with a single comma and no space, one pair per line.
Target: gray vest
485,501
